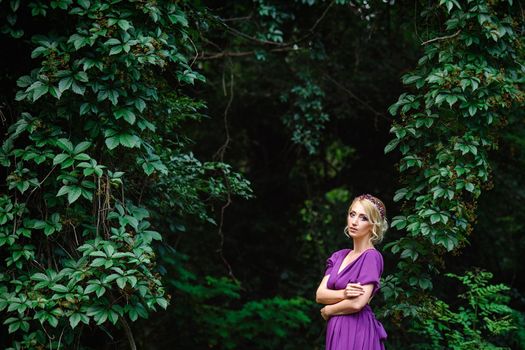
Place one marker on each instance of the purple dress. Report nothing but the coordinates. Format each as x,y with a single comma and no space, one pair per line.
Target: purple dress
361,330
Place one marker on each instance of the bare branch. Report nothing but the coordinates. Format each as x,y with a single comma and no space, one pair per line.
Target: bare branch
211,56
441,38
355,97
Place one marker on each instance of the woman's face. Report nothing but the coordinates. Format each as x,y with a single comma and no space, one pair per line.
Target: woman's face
359,224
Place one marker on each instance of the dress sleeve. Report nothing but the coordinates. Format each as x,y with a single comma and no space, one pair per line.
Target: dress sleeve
330,262
371,270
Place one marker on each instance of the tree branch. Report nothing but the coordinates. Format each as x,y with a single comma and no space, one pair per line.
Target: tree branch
355,97
212,56
129,333
441,38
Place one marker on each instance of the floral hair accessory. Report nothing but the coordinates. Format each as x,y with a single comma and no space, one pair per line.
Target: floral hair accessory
379,206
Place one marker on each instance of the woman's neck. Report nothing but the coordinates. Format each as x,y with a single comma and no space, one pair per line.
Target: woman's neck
362,245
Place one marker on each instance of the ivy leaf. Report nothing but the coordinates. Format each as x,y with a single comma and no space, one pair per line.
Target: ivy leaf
128,140
59,288
115,50
65,83
112,142
84,108
65,144
74,320
81,147
91,288
73,193
55,92
39,90
162,302
435,218
62,191
123,24
59,158
392,145
125,113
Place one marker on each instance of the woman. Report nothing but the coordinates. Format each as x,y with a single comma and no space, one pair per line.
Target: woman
352,279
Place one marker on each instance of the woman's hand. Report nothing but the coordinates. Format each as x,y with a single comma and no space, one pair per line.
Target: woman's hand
353,290
325,313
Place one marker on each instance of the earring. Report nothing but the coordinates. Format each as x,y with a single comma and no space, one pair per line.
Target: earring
346,232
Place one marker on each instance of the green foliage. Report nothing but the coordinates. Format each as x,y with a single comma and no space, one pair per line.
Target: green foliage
472,76
105,186
222,319
461,91
78,242
474,324
307,120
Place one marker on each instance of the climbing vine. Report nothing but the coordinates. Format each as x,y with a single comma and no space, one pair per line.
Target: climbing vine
93,135
469,78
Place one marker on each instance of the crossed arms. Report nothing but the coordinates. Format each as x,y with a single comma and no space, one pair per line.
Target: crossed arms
342,301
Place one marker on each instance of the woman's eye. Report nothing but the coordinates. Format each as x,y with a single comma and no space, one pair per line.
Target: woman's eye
364,218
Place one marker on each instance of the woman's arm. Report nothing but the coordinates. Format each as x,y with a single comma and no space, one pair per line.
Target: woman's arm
326,296
349,306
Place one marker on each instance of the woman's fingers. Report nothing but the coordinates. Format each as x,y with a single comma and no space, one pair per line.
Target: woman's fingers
353,290
356,286
353,293
323,314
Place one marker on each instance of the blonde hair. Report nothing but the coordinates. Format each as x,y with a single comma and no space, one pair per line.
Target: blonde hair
379,224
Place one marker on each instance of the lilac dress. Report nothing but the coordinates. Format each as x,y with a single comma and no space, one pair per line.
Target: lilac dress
361,330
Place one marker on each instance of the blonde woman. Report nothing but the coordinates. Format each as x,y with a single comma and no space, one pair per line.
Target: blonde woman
352,278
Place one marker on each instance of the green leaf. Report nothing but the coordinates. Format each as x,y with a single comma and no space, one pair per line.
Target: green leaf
85,4
73,194
59,288
123,24
78,89
53,321
13,327
39,277
65,144
39,91
400,194
74,320
128,140
451,99
84,108
65,83
125,113
391,145
435,218
100,291
121,282
81,147
55,92
112,142
162,302
91,288
115,50
59,158
98,262
469,187
140,105
14,5
62,191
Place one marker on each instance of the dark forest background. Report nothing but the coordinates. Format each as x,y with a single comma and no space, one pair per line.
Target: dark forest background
284,121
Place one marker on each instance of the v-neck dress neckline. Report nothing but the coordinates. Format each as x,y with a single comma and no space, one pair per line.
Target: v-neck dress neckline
339,271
